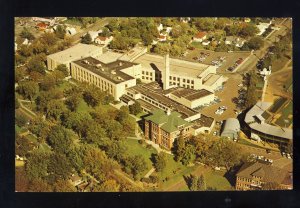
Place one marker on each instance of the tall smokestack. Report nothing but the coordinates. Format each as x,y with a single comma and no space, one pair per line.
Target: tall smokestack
166,80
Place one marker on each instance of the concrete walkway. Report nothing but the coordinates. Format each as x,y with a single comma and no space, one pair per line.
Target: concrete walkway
149,173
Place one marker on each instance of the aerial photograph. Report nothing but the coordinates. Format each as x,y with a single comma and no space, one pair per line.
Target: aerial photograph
153,104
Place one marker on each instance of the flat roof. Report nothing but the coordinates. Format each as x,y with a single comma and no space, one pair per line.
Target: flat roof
75,52
210,79
177,66
111,71
191,94
156,94
109,56
258,110
203,121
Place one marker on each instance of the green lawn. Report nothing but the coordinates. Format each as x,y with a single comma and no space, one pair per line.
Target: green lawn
215,179
197,45
32,138
286,111
44,147
134,148
180,169
83,106
278,64
65,85
245,142
18,128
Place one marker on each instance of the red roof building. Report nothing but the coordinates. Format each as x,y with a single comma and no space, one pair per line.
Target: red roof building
42,26
200,36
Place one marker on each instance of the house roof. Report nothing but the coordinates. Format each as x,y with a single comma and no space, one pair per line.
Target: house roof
230,38
200,34
42,24
169,123
268,173
102,38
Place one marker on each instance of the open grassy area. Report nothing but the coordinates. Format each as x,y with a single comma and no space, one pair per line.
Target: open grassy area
65,85
285,115
134,148
197,45
245,142
83,107
44,147
20,130
173,178
32,138
216,179
278,64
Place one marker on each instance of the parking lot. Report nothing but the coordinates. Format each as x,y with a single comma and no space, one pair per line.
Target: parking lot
227,95
211,58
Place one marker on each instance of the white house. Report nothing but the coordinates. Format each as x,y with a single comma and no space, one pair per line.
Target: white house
200,37
160,27
103,40
265,71
168,29
262,26
94,34
205,42
71,30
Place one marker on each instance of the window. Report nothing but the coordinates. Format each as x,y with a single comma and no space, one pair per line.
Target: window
147,78
150,73
192,81
174,78
174,83
151,78
183,80
188,81
143,72
170,77
178,79
183,85
143,77
192,87
126,85
147,73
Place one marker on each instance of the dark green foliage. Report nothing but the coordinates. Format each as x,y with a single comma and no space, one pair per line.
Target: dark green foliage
60,31
37,165
159,161
27,34
28,89
60,139
59,166
22,146
87,39
135,108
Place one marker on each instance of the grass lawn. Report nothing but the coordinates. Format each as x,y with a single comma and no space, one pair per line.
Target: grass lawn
278,64
197,45
134,148
83,106
180,169
32,138
216,179
65,85
286,111
44,147
245,142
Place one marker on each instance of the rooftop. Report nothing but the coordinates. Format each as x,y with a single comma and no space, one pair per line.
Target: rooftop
190,94
154,91
109,56
210,79
203,121
177,67
265,128
169,123
200,35
111,71
268,173
75,52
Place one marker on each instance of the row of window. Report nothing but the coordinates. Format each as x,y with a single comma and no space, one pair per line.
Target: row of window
147,78
186,86
154,102
83,75
147,73
183,79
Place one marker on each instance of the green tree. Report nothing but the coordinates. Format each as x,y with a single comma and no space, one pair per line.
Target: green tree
232,29
49,39
113,25
135,165
162,48
201,185
95,133
55,108
38,47
19,59
39,185
59,166
160,161
64,186
25,51
28,89
63,68
108,186
255,43
22,146
48,82
86,39
206,23
37,164
93,96
193,182
27,34
135,108
119,42
179,148
73,101
36,63
147,38
60,32
60,139
249,30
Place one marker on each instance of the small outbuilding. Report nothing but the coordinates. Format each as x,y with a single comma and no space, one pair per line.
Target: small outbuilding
231,128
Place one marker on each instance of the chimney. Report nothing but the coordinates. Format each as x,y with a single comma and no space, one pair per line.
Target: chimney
166,73
168,112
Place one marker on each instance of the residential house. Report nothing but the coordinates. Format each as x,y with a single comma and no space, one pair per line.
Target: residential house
201,36
205,42
94,34
253,175
71,30
103,40
231,40
262,26
42,26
